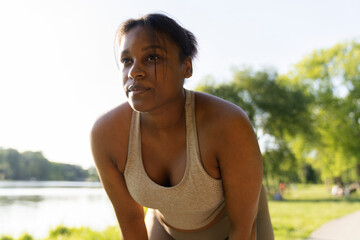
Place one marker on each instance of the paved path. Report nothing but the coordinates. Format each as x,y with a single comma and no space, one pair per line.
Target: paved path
344,228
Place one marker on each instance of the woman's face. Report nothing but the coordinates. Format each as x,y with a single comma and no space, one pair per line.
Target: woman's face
151,70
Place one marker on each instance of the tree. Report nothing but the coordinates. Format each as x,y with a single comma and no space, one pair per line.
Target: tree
332,76
276,110
34,166
12,158
309,117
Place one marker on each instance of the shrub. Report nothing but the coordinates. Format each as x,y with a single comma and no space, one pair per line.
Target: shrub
6,238
26,236
60,231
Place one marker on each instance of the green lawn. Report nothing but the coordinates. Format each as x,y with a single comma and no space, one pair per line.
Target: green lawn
307,207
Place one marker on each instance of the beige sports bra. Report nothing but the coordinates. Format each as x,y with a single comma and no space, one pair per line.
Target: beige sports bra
191,204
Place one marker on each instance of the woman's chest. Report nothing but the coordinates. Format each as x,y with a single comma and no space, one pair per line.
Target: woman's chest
165,160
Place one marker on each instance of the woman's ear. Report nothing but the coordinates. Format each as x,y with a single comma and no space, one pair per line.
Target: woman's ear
188,70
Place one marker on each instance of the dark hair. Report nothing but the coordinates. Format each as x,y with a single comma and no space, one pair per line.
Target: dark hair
161,23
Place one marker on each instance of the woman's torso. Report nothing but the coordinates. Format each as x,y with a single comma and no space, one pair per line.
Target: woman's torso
207,116
191,202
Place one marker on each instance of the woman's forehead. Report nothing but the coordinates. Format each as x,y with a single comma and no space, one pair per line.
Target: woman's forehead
142,36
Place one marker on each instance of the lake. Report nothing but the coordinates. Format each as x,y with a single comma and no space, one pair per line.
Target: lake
36,207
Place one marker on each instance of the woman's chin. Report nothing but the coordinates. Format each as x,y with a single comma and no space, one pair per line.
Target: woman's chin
139,107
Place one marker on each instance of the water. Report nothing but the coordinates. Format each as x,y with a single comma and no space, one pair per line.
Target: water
36,207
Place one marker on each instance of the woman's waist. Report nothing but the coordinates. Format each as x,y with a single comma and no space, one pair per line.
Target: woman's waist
183,222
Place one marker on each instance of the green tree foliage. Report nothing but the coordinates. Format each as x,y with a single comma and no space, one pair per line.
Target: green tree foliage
309,119
332,76
275,108
33,166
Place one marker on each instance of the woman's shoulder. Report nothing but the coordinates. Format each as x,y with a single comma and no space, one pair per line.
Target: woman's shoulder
111,130
110,134
220,123
117,118
215,110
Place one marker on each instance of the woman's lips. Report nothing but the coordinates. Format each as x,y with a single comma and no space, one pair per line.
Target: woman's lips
136,89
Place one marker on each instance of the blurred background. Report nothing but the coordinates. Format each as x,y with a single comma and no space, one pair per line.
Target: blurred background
293,66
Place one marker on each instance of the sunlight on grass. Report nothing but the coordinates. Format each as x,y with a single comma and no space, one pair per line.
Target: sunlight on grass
64,233
72,233
307,207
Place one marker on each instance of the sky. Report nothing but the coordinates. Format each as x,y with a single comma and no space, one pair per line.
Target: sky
57,67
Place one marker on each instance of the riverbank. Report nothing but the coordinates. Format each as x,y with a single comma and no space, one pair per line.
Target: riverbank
303,210
49,184
36,207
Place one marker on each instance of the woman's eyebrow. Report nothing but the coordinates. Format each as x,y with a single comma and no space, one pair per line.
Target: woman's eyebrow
154,47
124,52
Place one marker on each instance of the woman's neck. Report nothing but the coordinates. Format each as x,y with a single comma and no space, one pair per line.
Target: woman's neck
169,116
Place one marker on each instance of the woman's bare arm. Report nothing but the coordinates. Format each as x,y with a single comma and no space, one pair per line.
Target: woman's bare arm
129,213
241,170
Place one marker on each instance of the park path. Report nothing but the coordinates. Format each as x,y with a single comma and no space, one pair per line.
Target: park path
344,228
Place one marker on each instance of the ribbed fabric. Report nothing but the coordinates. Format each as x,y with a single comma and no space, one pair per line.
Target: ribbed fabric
189,205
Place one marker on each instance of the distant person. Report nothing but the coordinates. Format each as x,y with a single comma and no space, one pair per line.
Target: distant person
282,187
191,158
334,190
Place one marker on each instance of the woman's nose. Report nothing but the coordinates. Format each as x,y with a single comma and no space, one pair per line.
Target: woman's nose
136,71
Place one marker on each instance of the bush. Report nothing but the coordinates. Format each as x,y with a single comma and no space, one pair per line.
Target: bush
26,236
74,233
60,231
6,238
83,233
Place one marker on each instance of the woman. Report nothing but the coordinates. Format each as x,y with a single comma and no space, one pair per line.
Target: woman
191,158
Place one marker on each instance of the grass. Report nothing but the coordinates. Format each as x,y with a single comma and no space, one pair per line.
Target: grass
64,233
70,233
307,207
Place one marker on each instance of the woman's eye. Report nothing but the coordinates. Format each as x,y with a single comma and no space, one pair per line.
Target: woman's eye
125,60
153,58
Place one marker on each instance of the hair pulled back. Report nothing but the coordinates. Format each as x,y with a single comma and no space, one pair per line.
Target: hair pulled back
161,23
